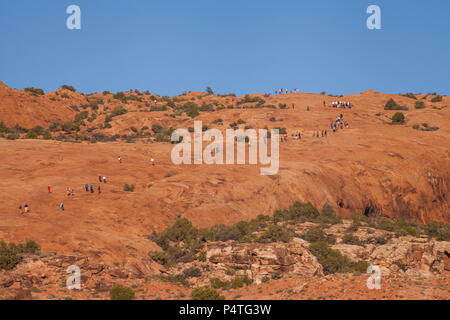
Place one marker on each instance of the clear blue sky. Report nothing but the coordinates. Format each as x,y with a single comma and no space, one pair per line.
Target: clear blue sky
239,46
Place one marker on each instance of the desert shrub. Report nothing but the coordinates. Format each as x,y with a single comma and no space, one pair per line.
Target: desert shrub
34,91
361,266
437,98
192,272
276,233
119,96
128,188
117,111
419,105
202,257
3,127
350,238
159,257
318,235
328,215
81,116
11,254
410,95
392,105
416,127
31,135
302,211
240,121
239,281
156,128
181,230
158,108
331,260
219,120
216,283
438,230
398,118
67,87
191,109
206,293
118,292
248,99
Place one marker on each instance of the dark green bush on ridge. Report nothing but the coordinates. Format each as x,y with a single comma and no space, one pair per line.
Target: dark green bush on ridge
34,91
392,105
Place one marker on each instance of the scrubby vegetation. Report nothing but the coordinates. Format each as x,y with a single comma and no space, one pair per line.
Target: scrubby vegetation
206,293
398,118
118,292
34,91
11,254
333,261
392,105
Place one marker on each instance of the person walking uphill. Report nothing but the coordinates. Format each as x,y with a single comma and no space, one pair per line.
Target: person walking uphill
92,189
119,159
49,189
86,186
61,206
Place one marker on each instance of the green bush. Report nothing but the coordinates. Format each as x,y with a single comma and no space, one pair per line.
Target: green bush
419,105
159,257
437,98
318,235
239,281
191,109
350,238
118,292
206,293
11,254
392,105
34,91
438,230
410,95
331,260
128,188
216,283
276,233
328,215
398,118
67,87
192,272
117,111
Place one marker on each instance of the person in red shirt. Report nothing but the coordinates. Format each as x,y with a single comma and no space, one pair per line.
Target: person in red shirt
49,189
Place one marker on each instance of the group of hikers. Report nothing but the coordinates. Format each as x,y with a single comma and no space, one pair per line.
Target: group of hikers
24,209
341,104
87,187
285,91
322,133
339,123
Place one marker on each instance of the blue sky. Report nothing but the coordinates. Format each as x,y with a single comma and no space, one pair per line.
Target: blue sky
234,46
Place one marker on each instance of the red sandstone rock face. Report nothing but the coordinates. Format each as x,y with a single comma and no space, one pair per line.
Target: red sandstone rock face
371,167
26,110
